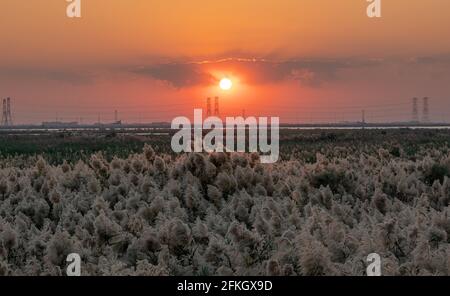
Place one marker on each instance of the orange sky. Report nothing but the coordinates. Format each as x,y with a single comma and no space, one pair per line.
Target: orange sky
304,60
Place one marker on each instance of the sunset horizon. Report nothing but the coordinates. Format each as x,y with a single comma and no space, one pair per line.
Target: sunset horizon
151,62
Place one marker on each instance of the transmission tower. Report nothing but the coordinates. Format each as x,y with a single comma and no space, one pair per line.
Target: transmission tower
208,107
8,105
426,110
216,107
6,113
415,111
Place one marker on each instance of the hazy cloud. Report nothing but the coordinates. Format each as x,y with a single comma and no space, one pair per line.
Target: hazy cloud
178,75
54,74
251,71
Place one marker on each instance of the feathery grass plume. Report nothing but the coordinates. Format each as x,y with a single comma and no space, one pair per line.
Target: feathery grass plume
8,237
314,257
380,202
105,228
226,183
176,235
4,268
149,153
3,188
58,248
273,268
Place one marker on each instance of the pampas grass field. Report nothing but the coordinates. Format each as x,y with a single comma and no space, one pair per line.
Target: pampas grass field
129,206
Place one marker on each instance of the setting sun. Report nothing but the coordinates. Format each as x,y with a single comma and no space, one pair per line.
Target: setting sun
226,84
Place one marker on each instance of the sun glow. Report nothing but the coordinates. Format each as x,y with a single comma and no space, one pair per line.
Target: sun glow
226,84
